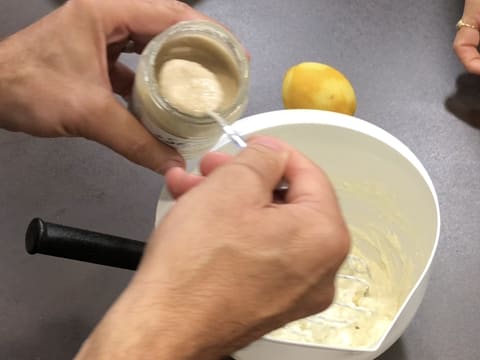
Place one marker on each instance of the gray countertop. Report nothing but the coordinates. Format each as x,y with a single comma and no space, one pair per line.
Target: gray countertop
398,56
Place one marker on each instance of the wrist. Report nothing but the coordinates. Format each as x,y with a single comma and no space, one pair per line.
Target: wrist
136,327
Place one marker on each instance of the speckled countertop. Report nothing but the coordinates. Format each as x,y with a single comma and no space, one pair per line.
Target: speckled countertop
398,56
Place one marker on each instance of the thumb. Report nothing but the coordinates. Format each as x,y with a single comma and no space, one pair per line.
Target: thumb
112,125
252,175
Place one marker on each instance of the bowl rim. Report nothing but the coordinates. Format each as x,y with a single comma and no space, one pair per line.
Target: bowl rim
280,118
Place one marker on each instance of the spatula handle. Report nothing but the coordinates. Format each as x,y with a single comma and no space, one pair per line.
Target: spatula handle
83,245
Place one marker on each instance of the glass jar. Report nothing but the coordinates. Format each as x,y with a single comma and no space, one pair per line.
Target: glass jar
203,42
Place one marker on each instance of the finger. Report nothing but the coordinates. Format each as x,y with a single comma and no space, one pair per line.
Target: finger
178,181
121,78
109,123
252,175
466,47
142,20
308,184
213,160
145,19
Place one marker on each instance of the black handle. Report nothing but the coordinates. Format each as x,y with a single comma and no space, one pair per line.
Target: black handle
77,244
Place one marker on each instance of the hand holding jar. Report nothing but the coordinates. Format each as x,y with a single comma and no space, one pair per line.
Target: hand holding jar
58,76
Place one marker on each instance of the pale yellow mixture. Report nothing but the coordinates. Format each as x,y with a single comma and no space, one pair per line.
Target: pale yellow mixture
362,312
190,87
196,75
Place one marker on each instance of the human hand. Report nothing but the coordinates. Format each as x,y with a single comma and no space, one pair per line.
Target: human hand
57,76
467,40
227,265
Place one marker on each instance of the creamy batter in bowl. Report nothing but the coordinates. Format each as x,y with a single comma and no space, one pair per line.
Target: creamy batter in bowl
366,302
392,210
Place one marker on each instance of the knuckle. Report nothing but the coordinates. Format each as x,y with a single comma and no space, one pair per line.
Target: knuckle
319,298
87,110
139,148
179,8
251,169
180,5
338,238
259,160
245,171
268,156
325,296
144,2
83,4
330,238
80,122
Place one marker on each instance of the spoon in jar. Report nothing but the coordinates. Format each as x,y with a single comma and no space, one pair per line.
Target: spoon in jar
281,189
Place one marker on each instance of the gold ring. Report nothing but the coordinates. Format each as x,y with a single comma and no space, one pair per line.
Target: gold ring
462,23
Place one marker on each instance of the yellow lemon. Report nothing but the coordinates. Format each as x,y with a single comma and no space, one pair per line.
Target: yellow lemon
311,85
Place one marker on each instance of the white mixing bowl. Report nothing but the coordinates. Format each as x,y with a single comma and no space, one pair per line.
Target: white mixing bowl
383,189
